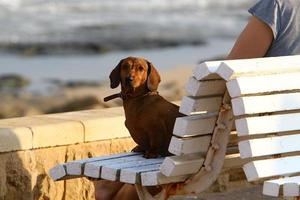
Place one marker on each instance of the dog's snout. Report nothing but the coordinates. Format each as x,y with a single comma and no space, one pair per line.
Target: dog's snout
129,79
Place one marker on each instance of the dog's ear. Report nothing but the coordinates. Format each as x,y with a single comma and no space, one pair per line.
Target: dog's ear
153,77
115,77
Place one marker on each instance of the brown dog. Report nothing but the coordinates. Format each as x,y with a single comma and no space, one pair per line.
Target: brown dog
149,117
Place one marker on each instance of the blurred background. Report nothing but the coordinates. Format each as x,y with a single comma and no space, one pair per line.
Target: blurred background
56,55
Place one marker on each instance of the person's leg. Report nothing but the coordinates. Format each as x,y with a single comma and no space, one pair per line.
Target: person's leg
127,192
106,190
109,190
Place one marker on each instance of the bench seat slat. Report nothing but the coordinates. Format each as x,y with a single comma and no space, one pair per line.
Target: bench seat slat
182,146
132,175
111,171
57,172
93,169
182,165
269,146
290,186
272,167
263,84
231,69
267,103
157,178
291,189
205,88
76,167
195,125
196,105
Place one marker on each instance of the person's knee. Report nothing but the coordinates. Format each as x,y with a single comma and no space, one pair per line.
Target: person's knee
106,190
127,192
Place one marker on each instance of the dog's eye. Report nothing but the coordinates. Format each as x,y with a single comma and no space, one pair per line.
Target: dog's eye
141,68
126,66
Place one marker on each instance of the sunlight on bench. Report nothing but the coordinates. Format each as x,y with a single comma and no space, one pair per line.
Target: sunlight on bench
262,97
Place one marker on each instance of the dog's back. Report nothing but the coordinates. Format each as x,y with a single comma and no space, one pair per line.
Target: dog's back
150,121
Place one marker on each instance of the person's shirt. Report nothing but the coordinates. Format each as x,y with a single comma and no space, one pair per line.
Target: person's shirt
283,17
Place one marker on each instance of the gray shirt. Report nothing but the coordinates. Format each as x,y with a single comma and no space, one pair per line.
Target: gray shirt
283,17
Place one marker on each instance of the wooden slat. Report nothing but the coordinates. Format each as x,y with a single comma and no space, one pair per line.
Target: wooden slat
207,70
234,161
271,167
290,186
264,104
93,169
268,124
195,105
273,187
157,178
269,146
195,125
263,84
232,69
182,165
132,175
112,171
205,88
182,146
76,167
57,172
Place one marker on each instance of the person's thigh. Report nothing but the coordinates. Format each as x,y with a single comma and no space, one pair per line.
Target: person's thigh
109,190
127,192
106,190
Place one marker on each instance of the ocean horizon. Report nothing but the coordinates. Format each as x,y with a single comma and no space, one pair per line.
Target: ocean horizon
84,39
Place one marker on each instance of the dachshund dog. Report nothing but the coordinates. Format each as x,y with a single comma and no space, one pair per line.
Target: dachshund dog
149,117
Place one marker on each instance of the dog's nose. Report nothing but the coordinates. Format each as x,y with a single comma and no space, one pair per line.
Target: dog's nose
129,79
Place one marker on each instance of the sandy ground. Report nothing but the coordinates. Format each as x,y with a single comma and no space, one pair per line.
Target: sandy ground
247,193
251,193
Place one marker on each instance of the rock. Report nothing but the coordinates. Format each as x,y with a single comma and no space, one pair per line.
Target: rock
82,103
13,81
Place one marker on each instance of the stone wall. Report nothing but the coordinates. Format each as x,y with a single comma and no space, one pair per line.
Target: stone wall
30,146
24,174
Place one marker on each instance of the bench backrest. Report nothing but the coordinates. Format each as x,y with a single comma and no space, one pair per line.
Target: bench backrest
265,98
266,104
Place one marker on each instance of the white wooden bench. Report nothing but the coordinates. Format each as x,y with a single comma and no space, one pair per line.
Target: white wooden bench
262,97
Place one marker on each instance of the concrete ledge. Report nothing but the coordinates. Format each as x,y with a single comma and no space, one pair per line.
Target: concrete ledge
98,124
62,129
15,138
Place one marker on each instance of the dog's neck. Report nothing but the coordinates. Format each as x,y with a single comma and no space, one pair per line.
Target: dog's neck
132,104
126,97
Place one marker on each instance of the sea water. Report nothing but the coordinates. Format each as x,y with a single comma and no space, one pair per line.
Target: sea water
214,24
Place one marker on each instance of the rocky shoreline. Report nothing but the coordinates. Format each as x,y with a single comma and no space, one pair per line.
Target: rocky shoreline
81,95
87,48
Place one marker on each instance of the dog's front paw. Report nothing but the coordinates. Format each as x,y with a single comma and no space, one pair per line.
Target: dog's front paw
138,149
150,155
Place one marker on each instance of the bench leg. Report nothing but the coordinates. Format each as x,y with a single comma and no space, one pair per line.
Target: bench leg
216,153
154,194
